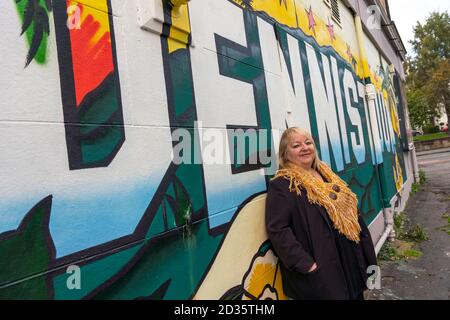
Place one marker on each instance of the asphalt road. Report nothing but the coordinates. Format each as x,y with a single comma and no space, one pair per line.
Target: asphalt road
437,168
427,277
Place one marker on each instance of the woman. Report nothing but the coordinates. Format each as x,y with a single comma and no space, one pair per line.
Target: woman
313,223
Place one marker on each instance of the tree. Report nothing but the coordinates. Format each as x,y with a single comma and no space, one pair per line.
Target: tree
438,87
428,80
418,108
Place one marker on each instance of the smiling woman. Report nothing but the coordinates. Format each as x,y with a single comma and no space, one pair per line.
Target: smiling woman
313,223
299,148
89,170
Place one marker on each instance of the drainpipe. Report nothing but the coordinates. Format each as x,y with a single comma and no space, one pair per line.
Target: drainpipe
415,166
386,234
370,91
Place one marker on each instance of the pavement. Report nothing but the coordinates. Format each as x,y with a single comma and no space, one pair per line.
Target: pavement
434,151
427,277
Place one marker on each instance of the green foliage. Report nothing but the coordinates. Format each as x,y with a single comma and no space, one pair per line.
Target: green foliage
412,253
431,129
34,15
437,88
398,250
422,177
428,76
27,252
432,136
419,111
416,233
446,228
399,220
431,43
387,252
406,232
407,238
415,187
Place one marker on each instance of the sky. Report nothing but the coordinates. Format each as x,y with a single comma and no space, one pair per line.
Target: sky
405,14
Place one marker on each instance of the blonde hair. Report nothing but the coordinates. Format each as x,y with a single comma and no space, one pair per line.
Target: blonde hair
286,137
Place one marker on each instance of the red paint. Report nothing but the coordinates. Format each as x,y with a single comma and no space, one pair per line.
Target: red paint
91,62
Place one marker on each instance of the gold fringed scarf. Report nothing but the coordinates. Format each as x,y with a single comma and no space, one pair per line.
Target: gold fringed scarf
333,194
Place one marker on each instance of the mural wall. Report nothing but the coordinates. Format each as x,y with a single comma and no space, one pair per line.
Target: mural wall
93,95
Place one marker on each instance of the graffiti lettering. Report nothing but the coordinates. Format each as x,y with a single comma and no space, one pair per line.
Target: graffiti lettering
355,118
324,103
180,154
235,72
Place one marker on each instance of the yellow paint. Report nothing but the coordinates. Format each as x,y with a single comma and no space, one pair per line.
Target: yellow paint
178,3
362,47
100,5
279,12
393,103
398,174
261,277
376,80
394,117
247,233
294,16
98,9
180,29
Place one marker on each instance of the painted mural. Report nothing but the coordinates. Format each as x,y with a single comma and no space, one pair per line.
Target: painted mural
89,83
36,27
92,183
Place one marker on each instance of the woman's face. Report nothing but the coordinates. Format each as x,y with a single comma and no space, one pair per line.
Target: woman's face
300,151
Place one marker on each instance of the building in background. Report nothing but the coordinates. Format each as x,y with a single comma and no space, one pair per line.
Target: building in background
442,120
94,204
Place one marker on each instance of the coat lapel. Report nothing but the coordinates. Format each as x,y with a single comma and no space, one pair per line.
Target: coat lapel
324,215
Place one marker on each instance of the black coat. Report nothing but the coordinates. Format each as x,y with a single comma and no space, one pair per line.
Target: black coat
302,234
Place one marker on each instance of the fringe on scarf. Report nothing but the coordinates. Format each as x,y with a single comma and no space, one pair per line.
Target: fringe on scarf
333,194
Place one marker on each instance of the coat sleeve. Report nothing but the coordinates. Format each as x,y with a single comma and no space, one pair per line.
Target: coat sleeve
366,243
279,206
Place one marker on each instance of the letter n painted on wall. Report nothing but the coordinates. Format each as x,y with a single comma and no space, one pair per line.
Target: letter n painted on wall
89,82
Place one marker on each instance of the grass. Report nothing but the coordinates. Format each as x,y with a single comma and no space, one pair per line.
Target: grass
415,187
431,136
407,232
422,177
387,252
399,220
399,250
446,228
411,253
416,234
408,237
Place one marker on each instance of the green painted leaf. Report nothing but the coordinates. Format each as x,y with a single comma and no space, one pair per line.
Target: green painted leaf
25,253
